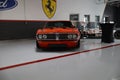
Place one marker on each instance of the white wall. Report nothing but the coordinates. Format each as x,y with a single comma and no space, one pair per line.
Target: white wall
82,7
16,13
33,10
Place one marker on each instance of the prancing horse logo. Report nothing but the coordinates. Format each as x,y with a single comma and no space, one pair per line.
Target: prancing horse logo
49,7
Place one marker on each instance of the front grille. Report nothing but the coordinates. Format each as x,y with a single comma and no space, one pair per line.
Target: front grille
57,36
63,36
51,36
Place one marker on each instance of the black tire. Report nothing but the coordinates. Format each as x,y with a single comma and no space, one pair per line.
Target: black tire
117,34
78,44
37,45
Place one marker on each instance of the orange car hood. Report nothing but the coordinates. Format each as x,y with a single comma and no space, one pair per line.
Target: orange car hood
58,30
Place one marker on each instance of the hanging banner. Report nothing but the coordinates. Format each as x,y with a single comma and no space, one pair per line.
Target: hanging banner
7,4
49,7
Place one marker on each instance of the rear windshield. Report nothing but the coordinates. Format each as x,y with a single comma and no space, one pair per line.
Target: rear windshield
61,24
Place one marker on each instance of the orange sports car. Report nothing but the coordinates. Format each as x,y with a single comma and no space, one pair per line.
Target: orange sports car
58,34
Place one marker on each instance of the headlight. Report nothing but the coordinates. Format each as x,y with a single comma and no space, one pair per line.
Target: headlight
69,36
39,36
44,36
72,36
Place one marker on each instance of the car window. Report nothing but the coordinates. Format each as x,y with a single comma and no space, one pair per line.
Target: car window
62,24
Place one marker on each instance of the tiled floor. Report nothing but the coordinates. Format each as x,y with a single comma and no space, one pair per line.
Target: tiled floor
20,60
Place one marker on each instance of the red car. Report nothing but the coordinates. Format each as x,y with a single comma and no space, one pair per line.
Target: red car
58,34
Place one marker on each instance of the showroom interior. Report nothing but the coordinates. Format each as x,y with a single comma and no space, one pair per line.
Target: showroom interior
97,58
